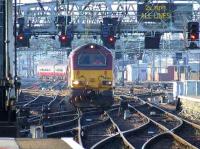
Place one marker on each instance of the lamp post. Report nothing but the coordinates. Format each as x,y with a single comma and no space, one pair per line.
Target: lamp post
15,49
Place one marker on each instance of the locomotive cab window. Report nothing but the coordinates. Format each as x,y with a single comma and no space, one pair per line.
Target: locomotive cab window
91,59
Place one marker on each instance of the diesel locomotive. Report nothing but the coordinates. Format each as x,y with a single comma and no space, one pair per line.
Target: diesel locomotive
90,76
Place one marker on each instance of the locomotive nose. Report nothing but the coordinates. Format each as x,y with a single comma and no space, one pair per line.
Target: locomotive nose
92,83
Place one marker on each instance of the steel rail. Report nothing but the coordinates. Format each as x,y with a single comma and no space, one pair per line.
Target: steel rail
80,121
168,135
189,132
30,102
96,132
175,129
59,126
62,133
120,133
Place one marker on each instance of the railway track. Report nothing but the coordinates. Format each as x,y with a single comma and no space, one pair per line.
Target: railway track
49,98
136,129
134,120
146,127
52,122
114,142
138,137
52,117
158,115
30,84
56,129
88,123
97,134
159,118
24,98
189,132
89,118
92,134
101,134
167,141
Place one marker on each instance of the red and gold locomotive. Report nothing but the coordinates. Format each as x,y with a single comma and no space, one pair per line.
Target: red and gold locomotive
90,76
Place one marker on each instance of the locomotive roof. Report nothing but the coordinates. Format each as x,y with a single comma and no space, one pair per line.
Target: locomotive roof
104,49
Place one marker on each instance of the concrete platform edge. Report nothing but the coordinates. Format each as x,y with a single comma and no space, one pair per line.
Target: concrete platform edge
72,143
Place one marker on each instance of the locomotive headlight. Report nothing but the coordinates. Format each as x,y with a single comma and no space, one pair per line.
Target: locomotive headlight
76,82
92,46
107,82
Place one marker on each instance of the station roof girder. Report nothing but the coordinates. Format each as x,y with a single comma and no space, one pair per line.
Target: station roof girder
87,16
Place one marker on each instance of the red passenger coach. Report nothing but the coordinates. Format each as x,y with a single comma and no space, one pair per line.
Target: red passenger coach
52,72
45,71
60,71
90,76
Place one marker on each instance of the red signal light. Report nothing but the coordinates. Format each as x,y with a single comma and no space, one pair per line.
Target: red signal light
20,37
63,38
111,39
193,31
22,40
193,37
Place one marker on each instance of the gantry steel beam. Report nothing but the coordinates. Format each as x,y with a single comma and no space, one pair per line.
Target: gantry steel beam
87,16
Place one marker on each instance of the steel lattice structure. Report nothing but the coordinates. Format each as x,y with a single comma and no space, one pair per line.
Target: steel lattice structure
87,16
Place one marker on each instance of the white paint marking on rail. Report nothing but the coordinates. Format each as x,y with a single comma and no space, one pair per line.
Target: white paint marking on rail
72,143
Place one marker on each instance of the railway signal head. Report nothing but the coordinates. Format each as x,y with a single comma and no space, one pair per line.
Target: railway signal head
63,38
193,31
193,37
20,37
111,39
109,42
193,34
64,41
66,37
108,32
22,41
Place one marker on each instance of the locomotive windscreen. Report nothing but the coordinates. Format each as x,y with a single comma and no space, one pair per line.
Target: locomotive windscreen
91,59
